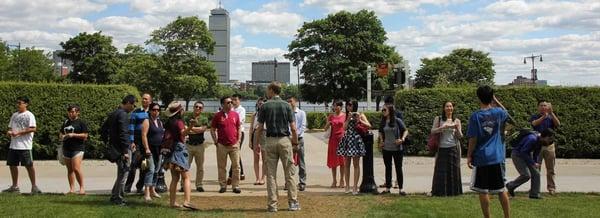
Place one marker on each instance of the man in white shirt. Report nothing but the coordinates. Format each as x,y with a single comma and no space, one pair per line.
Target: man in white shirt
238,108
300,127
20,130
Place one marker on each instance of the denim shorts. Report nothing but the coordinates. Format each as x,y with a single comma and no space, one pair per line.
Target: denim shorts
72,154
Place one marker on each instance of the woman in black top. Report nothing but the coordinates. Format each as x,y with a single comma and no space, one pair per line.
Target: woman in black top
155,137
73,134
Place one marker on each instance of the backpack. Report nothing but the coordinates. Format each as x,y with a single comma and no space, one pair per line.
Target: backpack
110,152
516,137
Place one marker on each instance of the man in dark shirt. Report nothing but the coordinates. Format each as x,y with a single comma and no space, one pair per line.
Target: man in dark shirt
546,119
525,156
118,124
281,137
195,143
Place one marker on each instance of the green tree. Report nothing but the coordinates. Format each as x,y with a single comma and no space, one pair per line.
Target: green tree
184,45
290,91
335,52
93,57
3,58
27,64
140,69
461,66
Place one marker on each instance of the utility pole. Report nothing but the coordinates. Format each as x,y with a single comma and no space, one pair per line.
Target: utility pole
533,70
369,88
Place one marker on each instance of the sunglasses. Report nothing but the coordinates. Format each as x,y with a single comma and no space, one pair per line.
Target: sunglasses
384,110
198,107
155,109
228,102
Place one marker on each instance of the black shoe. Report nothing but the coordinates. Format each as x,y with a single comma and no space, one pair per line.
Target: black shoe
385,192
181,189
237,190
536,197
511,191
242,177
402,193
199,189
301,187
222,190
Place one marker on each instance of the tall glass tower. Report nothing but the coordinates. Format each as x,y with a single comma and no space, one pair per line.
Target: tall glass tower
219,26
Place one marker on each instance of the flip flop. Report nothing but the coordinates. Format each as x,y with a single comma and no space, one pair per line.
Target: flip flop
191,207
257,183
176,206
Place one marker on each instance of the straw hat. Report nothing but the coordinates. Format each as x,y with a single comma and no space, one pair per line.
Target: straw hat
174,108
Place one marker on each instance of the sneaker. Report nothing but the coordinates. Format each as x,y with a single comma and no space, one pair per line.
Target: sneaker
536,197
551,192
222,190
402,193
35,190
12,189
511,191
294,207
243,177
199,189
237,190
301,187
272,210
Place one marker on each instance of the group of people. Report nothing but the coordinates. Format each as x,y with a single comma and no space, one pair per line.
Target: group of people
141,140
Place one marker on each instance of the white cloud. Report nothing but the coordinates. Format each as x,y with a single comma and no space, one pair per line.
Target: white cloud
75,24
379,6
35,38
271,18
199,8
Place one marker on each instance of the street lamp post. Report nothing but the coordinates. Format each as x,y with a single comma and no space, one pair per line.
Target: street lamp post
274,69
533,70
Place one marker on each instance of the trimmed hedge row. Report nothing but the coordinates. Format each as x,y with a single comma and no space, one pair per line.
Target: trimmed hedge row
576,107
48,102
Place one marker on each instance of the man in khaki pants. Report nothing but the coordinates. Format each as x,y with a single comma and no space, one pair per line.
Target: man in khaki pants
546,119
226,132
281,137
196,145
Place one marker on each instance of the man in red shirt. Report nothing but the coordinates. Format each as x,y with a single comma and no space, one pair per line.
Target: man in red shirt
226,131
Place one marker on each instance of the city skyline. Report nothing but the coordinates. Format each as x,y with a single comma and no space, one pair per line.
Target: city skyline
566,33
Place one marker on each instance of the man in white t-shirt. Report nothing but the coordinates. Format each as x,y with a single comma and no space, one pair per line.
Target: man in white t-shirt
238,108
20,130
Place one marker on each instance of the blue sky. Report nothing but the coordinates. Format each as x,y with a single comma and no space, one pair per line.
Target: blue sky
566,33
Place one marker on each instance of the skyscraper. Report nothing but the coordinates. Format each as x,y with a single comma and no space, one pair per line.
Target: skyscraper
219,26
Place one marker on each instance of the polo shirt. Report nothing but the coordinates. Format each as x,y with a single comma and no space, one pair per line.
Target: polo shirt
277,115
227,125
546,123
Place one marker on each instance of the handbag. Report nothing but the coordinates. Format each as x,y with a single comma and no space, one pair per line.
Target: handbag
433,143
361,129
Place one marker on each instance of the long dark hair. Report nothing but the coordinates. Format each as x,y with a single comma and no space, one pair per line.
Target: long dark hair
444,111
354,104
391,114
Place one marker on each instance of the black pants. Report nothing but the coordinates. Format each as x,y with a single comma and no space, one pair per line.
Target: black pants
241,166
387,161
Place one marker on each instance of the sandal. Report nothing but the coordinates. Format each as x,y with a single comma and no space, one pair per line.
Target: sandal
176,206
190,206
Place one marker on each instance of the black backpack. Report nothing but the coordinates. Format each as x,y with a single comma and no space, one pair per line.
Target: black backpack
516,137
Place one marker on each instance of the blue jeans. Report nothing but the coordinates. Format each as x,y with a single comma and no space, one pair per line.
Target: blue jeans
149,173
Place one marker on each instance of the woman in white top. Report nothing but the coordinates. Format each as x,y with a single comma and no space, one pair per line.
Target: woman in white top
259,171
446,175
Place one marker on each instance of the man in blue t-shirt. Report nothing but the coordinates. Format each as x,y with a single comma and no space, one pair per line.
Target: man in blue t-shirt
525,156
486,150
546,119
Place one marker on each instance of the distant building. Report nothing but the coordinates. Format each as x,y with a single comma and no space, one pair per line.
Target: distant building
267,71
219,26
62,66
524,81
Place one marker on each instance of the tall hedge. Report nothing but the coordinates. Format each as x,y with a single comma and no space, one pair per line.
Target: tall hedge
48,104
577,108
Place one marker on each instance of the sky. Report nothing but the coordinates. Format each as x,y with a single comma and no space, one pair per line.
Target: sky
565,33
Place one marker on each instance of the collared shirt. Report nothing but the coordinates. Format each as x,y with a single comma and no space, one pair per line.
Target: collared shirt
135,124
545,124
242,112
300,122
227,125
277,115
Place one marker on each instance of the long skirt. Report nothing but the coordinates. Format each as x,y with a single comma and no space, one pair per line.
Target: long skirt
446,175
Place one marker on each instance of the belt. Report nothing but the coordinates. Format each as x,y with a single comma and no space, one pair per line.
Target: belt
276,135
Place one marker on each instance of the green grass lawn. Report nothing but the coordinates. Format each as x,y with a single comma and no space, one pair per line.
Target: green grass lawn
313,204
